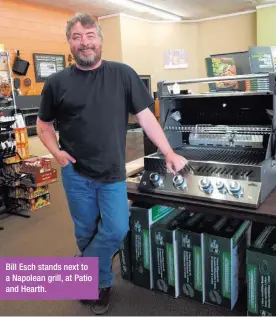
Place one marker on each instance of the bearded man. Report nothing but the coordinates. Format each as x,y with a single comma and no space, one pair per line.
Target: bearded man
91,101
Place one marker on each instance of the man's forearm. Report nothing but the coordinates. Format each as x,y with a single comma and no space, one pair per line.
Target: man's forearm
47,135
154,131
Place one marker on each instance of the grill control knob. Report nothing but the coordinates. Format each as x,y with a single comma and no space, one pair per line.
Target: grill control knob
234,186
156,179
221,187
235,189
219,184
179,182
206,185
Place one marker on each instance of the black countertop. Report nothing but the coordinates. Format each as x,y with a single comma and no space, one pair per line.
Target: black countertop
265,213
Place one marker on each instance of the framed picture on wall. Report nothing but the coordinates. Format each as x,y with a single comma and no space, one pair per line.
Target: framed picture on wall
47,64
175,58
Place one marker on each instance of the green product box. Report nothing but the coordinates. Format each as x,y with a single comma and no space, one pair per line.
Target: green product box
164,253
261,275
225,245
190,237
125,256
143,216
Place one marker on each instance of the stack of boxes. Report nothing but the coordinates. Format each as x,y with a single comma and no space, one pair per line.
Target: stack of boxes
30,191
200,257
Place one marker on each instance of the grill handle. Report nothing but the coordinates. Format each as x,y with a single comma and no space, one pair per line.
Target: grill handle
215,79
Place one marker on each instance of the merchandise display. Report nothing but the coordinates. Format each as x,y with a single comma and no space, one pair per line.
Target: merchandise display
258,59
24,179
206,258
31,192
261,271
228,139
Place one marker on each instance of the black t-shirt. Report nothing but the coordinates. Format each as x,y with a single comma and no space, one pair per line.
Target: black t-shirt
92,109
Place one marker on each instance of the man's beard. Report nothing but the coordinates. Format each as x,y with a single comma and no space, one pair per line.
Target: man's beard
90,60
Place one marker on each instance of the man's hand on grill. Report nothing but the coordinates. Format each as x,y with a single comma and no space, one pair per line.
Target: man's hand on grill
175,162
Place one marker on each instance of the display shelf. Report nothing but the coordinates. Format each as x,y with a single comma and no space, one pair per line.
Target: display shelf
265,214
5,181
9,147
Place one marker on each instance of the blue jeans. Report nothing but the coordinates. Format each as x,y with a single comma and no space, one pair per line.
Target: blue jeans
87,199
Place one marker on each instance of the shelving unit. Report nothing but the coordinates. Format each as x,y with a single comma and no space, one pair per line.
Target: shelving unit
7,137
8,145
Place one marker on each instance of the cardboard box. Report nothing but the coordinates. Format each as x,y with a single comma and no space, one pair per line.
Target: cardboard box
39,172
32,204
225,247
143,216
261,271
28,193
165,253
190,239
21,136
125,252
125,256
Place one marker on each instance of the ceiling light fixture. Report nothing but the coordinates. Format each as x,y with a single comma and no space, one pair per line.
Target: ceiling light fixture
144,8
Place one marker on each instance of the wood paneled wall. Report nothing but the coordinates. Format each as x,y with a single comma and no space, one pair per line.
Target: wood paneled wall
32,28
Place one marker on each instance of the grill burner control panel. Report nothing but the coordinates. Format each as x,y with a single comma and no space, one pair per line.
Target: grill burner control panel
207,188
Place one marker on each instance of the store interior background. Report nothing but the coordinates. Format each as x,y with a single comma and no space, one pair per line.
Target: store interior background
32,28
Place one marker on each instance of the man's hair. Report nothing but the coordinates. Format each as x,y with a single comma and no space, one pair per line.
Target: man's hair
85,19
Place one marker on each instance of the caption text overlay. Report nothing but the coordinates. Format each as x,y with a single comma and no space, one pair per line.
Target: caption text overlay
48,278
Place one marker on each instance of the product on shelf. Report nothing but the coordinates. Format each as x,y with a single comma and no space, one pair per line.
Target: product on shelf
143,216
11,169
27,183
125,256
22,143
191,257
39,171
28,193
31,204
261,271
165,253
225,247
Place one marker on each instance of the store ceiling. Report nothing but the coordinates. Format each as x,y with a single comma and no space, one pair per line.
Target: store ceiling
187,9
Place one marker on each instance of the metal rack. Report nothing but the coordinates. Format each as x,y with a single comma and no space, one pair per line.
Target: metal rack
6,134
6,180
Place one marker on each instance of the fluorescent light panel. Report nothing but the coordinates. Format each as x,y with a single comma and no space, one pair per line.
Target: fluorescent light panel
144,8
